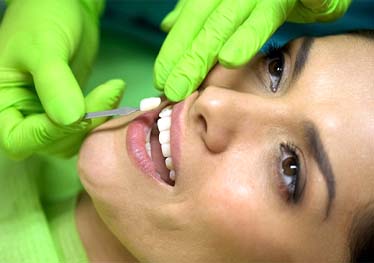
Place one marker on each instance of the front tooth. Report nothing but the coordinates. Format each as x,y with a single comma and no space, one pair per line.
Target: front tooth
165,148
172,175
169,163
149,103
164,124
164,137
166,112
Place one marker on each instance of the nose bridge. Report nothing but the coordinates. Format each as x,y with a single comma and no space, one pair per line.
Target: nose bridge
226,113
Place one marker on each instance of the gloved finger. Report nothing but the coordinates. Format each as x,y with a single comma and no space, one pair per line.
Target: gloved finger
180,37
16,91
20,98
199,59
104,97
254,32
84,56
59,91
308,11
168,22
14,77
20,136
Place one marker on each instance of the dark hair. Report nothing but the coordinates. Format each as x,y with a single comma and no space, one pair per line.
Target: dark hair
365,33
361,243
361,238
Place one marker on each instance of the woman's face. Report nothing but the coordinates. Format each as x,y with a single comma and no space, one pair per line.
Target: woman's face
271,160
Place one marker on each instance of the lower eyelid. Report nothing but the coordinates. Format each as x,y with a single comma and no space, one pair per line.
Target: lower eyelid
280,187
284,83
261,74
277,182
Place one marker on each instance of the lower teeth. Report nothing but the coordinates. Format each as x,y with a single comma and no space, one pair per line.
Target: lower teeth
172,175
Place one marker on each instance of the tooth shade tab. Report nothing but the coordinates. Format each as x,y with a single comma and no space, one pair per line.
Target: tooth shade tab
149,103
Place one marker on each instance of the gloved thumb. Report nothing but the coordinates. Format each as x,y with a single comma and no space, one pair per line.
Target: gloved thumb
104,97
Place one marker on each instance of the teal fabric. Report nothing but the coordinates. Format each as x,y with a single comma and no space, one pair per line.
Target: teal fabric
360,15
137,18
141,19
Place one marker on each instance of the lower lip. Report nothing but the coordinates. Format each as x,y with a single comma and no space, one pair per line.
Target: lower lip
136,137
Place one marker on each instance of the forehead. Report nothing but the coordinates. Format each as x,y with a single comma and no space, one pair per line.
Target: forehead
337,88
340,67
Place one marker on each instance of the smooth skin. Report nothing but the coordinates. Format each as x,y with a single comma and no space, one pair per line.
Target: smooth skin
232,32
47,49
227,204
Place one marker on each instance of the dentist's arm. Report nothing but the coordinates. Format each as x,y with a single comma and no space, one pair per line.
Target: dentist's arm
230,32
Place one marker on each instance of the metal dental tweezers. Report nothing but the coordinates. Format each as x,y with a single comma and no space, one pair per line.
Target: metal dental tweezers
119,111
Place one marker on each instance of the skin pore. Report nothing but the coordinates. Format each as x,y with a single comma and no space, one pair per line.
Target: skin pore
275,160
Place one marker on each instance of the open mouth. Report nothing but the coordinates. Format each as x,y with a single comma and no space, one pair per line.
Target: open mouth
158,148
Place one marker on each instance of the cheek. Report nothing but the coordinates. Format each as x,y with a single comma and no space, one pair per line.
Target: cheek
99,163
231,212
238,214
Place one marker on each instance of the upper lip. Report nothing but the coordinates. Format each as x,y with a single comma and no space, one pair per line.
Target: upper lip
178,120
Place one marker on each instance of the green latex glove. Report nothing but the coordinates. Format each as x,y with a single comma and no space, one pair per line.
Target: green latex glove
232,32
26,129
55,41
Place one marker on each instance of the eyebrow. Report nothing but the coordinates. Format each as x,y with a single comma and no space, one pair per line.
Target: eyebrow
321,157
302,57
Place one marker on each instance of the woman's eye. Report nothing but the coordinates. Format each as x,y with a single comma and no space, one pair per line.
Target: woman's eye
274,65
290,172
275,70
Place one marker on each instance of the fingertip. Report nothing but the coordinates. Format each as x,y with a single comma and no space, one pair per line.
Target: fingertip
177,92
59,92
116,84
159,75
233,57
66,112
168,21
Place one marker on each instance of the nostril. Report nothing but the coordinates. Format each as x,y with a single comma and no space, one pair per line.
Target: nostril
203,123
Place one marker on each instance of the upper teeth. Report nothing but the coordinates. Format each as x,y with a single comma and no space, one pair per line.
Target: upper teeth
164,124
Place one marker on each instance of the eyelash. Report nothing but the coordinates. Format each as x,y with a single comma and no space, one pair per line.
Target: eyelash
292,190
274,54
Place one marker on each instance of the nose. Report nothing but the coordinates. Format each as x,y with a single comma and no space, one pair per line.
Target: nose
225,115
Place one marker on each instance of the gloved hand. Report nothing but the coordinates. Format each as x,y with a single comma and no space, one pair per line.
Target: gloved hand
230,31
26,129
55,41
